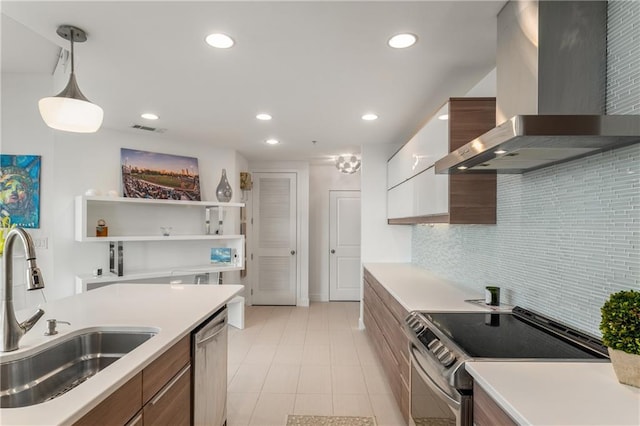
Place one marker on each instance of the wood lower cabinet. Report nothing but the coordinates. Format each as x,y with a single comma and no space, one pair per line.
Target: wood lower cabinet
486,412
119,407
172,405
157,374
383,318
158,395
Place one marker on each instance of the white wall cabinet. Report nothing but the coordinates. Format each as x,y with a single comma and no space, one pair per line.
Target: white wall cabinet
141,221
421,152
415,194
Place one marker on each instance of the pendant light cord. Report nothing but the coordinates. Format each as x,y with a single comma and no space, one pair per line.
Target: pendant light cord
71,40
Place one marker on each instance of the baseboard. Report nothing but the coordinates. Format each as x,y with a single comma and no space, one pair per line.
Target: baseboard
302,302
319,297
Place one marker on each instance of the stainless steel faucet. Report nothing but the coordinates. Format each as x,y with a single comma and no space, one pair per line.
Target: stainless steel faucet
12,331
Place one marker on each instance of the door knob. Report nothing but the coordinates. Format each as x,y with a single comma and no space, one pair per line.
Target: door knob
293,252
333,251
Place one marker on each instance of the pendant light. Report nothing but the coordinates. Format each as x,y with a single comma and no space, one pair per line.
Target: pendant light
69,110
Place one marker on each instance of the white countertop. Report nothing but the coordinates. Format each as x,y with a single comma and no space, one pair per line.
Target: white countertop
417,289
554,393
171,310
532,393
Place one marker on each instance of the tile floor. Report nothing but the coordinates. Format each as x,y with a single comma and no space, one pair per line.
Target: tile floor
295,360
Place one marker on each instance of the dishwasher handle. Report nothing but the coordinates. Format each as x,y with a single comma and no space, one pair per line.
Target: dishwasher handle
212,329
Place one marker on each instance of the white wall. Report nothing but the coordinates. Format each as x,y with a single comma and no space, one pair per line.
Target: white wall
21,135
485,87
322,179
72,163
380,242
301,169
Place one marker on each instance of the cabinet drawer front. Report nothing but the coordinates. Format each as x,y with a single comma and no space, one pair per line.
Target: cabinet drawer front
398,311
391,331
387,360
119,407
137,420
172,405
160,371
486,412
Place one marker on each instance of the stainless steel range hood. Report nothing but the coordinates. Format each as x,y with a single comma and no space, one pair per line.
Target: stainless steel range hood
551,78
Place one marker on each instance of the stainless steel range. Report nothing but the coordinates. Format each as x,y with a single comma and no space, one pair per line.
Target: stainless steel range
441,343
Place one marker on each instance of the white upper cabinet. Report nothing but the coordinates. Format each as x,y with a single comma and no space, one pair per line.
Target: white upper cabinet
428,145
415,194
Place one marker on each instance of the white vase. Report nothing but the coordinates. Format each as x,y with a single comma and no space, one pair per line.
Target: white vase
626,366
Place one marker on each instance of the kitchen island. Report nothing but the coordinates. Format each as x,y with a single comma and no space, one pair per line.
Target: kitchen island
172,311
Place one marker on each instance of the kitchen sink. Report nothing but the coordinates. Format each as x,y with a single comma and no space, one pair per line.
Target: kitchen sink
53,371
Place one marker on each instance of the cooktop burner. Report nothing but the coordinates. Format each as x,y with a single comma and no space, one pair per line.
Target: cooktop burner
512,335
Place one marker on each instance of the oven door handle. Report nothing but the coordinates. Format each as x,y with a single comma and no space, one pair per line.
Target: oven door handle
429,381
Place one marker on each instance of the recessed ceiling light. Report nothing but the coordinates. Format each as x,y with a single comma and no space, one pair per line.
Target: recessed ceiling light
219,40
149,116
263,117
272,141
369,117
462,167
443,117
500,151
402,41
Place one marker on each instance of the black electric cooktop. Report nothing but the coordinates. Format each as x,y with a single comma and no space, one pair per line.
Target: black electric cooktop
513,335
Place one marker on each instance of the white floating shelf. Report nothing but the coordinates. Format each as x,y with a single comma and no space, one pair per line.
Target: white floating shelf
83,280
158,238
150,201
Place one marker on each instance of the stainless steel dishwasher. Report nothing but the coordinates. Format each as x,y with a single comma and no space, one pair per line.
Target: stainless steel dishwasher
209,349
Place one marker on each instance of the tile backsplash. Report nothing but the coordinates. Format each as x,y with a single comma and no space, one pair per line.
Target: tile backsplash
623,57
567,235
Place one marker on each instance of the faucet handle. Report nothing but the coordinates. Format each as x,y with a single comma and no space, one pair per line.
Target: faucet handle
52,324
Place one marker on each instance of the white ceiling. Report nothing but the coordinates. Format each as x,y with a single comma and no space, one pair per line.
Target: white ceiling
316,67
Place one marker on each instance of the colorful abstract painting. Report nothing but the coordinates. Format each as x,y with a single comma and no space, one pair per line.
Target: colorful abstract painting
159,176
20,189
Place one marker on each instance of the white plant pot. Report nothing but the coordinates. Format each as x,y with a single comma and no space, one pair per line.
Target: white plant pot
626,366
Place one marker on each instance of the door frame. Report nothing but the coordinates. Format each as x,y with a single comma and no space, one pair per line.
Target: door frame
302,228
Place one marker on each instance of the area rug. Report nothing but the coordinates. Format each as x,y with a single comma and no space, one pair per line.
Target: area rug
296,420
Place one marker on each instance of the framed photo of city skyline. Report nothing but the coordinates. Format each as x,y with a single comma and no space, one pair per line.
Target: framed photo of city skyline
159,176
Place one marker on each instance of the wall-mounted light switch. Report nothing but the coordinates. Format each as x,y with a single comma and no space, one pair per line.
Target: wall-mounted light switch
41,243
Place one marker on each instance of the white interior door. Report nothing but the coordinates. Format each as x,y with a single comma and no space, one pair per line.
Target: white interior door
344,245
274,227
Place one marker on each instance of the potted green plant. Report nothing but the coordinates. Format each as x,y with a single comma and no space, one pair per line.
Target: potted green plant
620,328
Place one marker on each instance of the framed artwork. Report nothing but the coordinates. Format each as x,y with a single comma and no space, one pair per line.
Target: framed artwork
20,189
221,255
159,176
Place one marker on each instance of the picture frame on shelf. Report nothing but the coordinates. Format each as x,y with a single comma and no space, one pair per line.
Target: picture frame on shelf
223,255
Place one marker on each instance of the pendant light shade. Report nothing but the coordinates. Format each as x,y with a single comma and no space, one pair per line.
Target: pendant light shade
70,110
